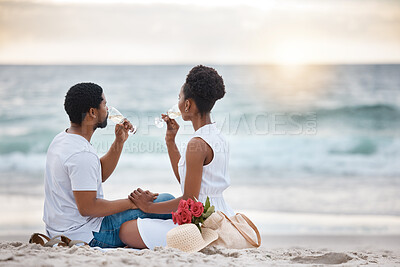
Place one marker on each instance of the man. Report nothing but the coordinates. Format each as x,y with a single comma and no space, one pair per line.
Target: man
74,205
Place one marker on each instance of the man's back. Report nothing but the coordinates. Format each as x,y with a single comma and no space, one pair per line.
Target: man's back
71,165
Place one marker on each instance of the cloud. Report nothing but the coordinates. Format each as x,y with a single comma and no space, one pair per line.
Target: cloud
137,33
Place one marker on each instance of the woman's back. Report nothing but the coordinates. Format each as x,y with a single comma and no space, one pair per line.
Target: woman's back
215,176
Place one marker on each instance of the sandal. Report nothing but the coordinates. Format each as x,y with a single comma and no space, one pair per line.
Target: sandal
38,238
59,240
56,242
43,240
76,242
69,242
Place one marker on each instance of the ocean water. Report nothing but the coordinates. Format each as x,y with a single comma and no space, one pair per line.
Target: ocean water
314,149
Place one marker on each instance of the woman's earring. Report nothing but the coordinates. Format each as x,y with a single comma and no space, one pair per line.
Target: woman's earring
186,110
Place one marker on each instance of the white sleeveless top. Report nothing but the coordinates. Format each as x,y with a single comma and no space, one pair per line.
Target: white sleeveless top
215,179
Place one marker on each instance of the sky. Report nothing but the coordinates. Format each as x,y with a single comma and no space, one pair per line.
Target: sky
187,32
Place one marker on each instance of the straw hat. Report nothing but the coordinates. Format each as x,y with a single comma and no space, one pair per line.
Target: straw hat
188,238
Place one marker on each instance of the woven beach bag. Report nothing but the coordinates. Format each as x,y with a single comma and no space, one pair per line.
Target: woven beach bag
235,232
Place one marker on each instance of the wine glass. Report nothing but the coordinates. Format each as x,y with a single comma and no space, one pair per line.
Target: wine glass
115,116
172,113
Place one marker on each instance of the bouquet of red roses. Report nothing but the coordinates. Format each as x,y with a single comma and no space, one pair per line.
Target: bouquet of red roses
190,211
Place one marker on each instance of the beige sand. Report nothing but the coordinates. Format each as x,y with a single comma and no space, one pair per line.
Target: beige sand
289,250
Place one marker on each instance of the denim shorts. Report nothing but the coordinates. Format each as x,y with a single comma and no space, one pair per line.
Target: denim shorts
108,235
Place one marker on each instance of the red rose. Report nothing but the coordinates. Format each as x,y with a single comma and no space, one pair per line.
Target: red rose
176,217
197,209
186,216
183,205
190,203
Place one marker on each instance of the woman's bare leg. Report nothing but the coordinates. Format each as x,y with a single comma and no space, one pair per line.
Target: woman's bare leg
130,236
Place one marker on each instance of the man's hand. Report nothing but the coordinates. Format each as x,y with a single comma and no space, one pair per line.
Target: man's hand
121,131
143,199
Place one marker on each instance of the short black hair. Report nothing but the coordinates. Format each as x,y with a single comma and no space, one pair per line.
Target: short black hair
205,86
80,98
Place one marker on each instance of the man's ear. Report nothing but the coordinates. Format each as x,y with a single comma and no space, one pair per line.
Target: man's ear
92,113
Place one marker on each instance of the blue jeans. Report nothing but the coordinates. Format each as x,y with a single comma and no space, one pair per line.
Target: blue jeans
108,236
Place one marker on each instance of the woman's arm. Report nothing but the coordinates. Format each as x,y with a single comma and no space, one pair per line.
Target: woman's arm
196,155
173,152
174,157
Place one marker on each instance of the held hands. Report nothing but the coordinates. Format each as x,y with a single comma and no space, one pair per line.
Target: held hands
172,128
142,199
121,130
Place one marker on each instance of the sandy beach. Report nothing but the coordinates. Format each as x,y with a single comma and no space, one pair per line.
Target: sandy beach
275,251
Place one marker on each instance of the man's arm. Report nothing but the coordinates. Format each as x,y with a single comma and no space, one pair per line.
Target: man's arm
89,205
110,160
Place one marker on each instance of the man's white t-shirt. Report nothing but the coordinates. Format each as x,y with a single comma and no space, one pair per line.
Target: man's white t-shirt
72,165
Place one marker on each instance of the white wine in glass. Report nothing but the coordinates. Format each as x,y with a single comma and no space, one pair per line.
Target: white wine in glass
115,116
172,113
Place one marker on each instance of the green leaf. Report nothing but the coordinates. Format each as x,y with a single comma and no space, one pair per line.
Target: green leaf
207,205
209,212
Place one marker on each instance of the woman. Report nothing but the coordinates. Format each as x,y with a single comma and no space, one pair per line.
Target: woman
202,170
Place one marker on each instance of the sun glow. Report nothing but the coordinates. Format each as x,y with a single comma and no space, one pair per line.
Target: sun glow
293,53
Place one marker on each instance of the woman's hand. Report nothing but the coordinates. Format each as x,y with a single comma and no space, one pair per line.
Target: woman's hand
172,128
143,199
